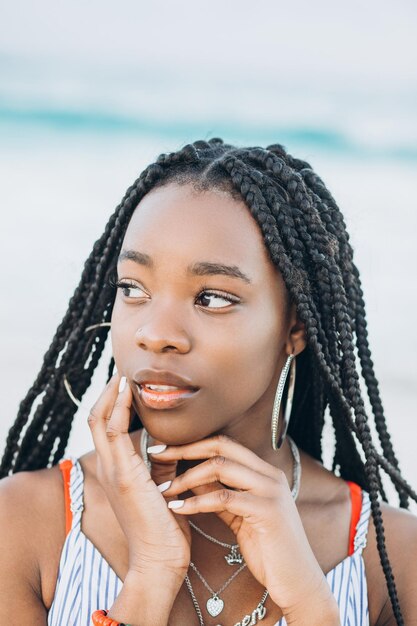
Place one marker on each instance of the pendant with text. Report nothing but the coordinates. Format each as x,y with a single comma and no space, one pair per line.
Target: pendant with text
256,616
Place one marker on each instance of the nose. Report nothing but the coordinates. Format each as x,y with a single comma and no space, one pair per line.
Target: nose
163,334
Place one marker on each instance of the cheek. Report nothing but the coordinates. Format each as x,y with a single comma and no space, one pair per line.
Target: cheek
121,333
246,360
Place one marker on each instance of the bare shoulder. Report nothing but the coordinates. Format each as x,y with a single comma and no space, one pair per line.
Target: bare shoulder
399,524
38,497
32,532
400,532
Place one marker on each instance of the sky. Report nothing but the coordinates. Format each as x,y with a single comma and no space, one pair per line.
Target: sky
325,39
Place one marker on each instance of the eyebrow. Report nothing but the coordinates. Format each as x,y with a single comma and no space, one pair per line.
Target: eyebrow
202,268
137,257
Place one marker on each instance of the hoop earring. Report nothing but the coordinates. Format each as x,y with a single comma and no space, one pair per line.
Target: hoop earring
67,386
288,367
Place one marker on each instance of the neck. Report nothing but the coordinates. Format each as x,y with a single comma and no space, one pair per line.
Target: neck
255,435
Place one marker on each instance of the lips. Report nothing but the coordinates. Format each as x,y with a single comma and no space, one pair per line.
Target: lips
160,389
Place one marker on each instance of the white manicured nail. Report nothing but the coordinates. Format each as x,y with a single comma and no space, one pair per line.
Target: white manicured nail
156,449
164,486
122,384
114,369
175,504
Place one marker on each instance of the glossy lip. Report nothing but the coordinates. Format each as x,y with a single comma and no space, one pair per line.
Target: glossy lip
163,399
163,377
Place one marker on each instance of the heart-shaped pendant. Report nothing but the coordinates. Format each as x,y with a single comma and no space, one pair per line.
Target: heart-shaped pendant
214,606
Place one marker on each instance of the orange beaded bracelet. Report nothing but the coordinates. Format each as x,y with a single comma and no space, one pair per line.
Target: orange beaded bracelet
100,619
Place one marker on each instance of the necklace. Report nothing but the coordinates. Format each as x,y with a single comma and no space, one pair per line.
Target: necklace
215,604
257,614
234,557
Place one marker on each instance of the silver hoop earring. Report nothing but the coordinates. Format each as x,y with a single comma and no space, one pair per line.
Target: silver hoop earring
67,386
289,366
100,325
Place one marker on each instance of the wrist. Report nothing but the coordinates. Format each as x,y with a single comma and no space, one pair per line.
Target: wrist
320,612
145,599
317,607
329,617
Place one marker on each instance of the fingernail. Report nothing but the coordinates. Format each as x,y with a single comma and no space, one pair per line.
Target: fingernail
122,384
164,486
156,449
114,370
175,504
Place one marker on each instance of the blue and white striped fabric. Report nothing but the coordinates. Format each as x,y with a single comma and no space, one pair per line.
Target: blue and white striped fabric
86,581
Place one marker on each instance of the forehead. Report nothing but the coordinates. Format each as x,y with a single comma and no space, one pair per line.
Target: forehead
177,222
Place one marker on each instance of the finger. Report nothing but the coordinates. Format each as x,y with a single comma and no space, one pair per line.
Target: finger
228,518
120,445
238,503
220,445
222,470
100,413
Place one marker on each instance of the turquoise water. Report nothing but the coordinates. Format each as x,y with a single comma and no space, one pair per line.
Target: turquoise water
318,112
81,123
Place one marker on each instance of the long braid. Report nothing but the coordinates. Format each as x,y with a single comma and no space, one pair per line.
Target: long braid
306,238
335,220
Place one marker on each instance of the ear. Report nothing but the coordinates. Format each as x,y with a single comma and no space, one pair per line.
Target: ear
296,340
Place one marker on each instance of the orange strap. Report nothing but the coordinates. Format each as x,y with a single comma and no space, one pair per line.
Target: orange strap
65,467
356,500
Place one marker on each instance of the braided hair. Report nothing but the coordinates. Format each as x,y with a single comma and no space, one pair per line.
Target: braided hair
305,236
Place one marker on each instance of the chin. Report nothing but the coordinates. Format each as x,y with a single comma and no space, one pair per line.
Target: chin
173,435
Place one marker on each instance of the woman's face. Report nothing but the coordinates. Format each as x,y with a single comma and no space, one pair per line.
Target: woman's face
200,310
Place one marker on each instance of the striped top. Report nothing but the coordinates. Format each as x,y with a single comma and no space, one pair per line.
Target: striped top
86,582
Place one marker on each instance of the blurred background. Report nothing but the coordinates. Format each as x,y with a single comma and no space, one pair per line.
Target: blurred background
90,93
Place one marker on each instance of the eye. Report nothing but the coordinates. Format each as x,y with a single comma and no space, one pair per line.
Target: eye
216,300
130,290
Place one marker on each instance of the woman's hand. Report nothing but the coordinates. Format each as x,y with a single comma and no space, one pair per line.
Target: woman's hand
254,499
159,543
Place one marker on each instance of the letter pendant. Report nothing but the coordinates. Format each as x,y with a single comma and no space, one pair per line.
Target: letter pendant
257,615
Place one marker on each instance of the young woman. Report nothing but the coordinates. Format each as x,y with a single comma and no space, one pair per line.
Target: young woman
237,317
